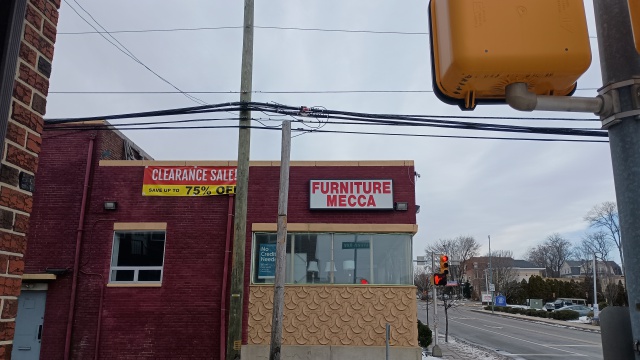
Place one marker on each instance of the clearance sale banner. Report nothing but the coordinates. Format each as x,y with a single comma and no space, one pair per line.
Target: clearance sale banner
189,180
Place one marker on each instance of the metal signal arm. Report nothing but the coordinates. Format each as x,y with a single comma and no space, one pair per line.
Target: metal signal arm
520,98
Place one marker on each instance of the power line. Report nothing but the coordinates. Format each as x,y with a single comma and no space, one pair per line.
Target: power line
321,115
93,92
126,51
110,127
240,27
356,31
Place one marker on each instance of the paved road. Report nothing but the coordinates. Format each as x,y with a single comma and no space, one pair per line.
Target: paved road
515,338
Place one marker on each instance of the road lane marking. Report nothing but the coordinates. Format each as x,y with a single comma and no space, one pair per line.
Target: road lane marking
536,331
523,340
493,327
576,345
563,355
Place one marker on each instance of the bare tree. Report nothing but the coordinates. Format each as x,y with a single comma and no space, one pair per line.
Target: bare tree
421,278
559,251
605,217
503,272
539,255
461,248
551,254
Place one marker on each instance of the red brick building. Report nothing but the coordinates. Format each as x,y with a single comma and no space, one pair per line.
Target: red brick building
150,269
27,38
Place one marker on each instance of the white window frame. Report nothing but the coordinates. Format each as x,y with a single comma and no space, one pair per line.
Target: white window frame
136,269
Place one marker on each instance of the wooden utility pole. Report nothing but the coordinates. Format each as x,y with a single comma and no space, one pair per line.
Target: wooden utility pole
281,247
234,334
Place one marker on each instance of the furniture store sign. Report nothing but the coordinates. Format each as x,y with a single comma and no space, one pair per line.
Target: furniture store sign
351,194
189,180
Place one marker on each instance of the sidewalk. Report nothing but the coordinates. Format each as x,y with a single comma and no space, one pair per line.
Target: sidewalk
457,349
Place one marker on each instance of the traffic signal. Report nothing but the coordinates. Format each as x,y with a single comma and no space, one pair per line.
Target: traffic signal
439,279
444,264
480,47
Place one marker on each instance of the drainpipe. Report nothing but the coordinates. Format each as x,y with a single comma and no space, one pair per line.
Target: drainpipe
76,260
102,286
519,98
223,298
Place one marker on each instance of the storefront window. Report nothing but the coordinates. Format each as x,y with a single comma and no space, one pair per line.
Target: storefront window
326,258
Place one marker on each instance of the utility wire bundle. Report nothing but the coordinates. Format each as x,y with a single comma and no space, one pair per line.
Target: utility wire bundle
321,116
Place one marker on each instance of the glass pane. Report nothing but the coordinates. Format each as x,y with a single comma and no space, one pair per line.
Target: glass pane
138,248
392,259
352,256
312,258
149,275
122,275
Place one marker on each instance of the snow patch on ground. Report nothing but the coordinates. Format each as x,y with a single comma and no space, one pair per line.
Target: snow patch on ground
582,320
465,351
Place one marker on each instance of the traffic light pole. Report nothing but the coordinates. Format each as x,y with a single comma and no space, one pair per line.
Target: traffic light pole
436,349
620,66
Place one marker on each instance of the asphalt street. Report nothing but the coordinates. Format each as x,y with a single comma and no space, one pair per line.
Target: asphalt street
518,339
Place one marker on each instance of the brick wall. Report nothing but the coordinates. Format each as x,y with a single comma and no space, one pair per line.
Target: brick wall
20,155
180,319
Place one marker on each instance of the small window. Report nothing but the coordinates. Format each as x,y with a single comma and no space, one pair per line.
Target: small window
138,257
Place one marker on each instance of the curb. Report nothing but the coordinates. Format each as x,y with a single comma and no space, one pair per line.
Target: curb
543,320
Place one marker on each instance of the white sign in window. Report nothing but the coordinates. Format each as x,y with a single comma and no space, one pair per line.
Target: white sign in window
351,194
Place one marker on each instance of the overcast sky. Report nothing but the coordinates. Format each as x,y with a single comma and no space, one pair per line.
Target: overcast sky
519,192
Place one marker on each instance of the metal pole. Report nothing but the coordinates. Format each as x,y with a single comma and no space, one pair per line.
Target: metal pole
387,334
620,62
490,273
435,307
595,291
281,247
234,337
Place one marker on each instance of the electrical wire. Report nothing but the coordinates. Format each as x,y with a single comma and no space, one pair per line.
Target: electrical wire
381,32
90,92
126,51
111,127
322,114
236,106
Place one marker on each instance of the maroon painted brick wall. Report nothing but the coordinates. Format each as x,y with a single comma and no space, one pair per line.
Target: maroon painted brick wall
181,318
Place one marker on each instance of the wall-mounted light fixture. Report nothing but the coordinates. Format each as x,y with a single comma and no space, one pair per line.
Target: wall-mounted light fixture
56,271
401,206
417,209
110,205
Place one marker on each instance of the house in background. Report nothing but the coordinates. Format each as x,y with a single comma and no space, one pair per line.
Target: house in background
525,269
582,268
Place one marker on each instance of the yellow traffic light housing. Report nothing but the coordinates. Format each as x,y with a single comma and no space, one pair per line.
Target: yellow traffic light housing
444,265
480,47
634,11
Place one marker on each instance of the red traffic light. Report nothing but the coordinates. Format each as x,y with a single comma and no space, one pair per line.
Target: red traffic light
445,258
439,279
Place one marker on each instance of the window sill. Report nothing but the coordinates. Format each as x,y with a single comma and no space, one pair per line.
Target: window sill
129,285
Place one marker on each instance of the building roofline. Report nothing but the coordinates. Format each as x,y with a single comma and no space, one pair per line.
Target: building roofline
253,163
111,128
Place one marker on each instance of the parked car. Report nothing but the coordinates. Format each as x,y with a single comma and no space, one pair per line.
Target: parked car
550,306
580,309
562,303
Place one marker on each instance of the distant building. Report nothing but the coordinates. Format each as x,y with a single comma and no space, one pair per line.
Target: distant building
582,268
476,270
527,269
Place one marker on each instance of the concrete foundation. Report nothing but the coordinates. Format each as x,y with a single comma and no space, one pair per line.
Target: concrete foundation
304,352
